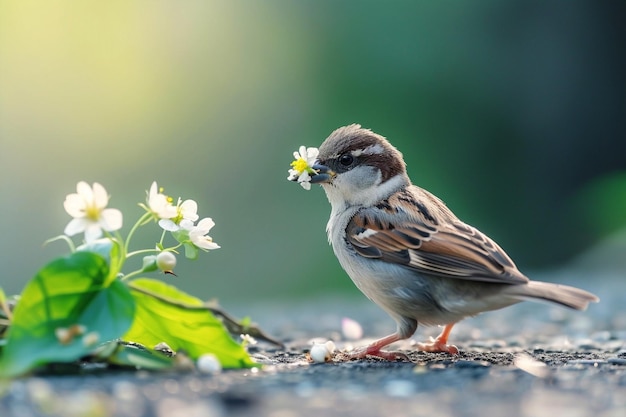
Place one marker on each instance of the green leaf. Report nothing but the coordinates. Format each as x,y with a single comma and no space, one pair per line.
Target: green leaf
149,264
140,358
181,320
191,251
118,353
68,292
109,249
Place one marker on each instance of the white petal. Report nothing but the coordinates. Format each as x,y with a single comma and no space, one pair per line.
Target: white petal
152,194
162,207
205,225
311,155
92,232
168,225
293,174
156,202
306,185
205,242
302,151
186,224
189,209
100,196
75,226
111,219
85,191
153,189
74,205
304,177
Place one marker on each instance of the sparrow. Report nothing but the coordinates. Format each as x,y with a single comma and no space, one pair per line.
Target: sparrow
408,252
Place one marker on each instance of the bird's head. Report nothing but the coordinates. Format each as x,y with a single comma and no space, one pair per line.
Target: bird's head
357,167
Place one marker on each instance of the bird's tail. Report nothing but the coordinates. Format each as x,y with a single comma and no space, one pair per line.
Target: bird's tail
561,294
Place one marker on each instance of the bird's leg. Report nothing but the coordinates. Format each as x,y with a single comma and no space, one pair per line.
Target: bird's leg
406,327
374,349
440,343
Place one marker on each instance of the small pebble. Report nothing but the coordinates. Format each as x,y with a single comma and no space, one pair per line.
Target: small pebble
91,339
351,329
532,366
209,364
319,353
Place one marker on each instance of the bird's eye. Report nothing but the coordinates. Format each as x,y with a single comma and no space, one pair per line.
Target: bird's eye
346,159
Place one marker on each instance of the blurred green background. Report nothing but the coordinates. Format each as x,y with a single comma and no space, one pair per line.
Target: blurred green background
513,112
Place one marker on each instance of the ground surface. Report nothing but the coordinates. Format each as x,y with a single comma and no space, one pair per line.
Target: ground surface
499,371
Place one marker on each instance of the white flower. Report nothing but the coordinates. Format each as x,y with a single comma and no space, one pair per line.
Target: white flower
160,204
87,207
198,234
302,169
247,340
186,213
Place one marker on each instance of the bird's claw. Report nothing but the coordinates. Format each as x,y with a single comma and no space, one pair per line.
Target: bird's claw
437,345
363,353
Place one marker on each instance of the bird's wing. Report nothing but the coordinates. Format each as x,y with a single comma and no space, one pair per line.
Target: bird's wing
429,239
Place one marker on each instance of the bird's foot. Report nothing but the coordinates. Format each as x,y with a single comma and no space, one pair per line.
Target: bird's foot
436,345
371,351
374,350
440,343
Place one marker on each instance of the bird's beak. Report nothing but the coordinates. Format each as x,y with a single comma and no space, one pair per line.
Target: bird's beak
324,174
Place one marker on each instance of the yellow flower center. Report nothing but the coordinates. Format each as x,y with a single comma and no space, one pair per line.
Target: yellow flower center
179,216
92,212
300,165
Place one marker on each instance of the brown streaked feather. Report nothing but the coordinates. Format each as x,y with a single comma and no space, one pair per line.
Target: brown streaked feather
429,240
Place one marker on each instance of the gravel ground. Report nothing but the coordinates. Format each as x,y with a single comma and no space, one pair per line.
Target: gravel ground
527,360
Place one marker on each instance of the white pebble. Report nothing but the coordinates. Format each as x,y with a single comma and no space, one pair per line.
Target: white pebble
91,339
531,365
319,353
209,364
351,329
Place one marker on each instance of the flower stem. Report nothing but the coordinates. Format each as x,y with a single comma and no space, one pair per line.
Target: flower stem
131,274
139,252
67,240
142,220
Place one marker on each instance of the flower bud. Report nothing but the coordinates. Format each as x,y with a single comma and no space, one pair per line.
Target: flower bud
166,261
